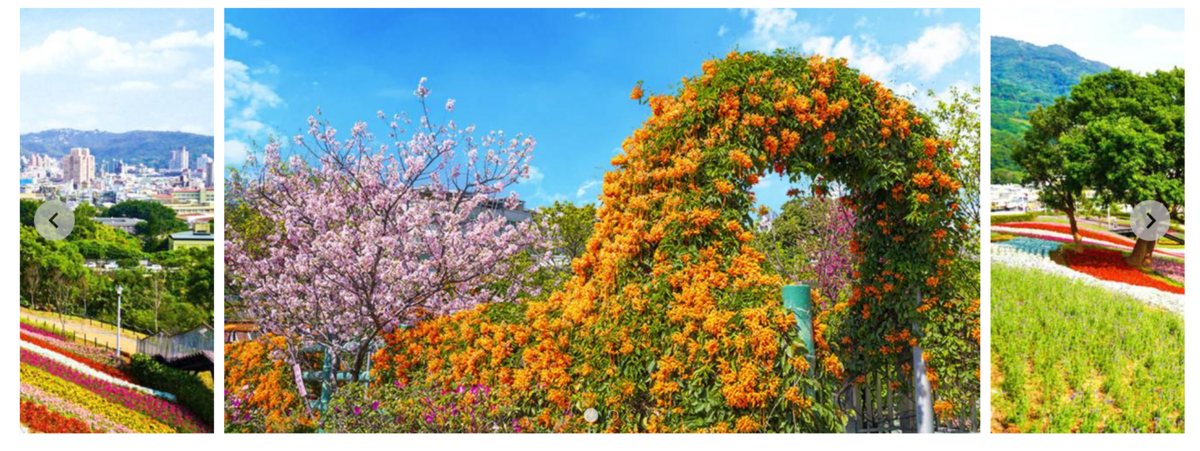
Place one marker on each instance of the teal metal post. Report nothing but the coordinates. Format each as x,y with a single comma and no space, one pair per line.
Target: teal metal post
798,300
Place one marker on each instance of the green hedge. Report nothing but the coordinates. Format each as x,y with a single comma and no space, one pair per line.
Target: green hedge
189,390
1023,217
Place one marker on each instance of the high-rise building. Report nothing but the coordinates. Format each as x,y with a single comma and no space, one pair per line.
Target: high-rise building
202,161
79,166
179,160
208,173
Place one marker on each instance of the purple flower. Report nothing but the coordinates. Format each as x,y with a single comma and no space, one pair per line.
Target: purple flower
375,405
357,411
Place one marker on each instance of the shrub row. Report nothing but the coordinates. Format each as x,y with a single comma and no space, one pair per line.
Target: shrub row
189,390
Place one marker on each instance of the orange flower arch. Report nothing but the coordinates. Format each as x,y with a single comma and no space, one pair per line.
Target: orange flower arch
671,322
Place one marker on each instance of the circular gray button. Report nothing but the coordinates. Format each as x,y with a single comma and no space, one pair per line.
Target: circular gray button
591,415
54,220
1150,220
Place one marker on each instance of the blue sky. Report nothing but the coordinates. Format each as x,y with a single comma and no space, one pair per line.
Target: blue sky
117,69
562,76
1140,40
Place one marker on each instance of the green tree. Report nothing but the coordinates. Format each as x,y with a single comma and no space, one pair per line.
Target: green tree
957,117
1060,172
160,220
1134,126
568,227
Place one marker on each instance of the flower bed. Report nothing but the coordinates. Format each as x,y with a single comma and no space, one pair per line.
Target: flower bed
40,419
30,328
55,347
1028,254
94,420
1110,265
151,406
1172,269
1086,233
90,401
89,371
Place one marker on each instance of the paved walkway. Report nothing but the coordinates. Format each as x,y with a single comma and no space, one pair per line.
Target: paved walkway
94,332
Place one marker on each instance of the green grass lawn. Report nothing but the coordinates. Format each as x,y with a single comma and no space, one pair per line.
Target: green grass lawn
1069,357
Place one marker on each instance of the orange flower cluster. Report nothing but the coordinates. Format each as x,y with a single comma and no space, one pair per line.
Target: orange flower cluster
669,302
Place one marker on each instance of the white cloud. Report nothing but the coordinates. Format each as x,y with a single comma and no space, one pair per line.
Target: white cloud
586,15
535,176
82,49
235,153
863,22
583,189
135,85
1156,33
865,55
244,96
182,40
928,12
240,34
721,31
774,28
195,79
236,32
937,47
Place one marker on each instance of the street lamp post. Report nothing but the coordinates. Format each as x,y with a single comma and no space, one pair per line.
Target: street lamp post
119,290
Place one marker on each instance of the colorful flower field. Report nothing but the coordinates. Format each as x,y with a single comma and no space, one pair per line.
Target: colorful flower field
68,387
1110,265
1034,253
1063,231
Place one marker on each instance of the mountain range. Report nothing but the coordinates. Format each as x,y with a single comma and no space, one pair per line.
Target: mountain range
1025,76
152,148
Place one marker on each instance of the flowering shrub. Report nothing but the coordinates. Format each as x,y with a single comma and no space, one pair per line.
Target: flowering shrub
260,390
382,408
38,419
365,237
1111,265
91,401
671,323
151,406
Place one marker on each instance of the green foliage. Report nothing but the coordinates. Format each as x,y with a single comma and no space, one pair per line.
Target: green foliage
54,278
1070,357
1131,129
1023,217
1025,76
160,221
189,389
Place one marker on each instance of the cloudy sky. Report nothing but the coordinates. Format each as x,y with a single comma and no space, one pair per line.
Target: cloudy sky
117,70
562,76
1140,40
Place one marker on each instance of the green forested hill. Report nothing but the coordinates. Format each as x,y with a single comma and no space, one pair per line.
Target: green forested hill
1025,76
149,147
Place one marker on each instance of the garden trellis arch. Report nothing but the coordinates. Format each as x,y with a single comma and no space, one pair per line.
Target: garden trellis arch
670,322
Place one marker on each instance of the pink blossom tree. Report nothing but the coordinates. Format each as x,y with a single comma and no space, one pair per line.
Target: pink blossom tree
362,237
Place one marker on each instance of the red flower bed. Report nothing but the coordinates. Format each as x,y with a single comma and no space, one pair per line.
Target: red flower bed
1065,228
1110,265
78,358
39,419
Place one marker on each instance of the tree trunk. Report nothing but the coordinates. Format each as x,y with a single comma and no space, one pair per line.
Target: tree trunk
1143,251
1075,230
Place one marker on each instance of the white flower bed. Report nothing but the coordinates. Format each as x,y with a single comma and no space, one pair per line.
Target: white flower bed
75,365
1033,253
1067,236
